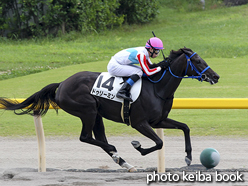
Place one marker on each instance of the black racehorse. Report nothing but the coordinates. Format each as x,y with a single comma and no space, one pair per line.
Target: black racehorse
149,111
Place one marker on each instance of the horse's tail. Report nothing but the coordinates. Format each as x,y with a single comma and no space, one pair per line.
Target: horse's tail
38,102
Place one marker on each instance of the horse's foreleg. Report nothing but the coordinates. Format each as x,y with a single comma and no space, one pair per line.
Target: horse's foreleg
172,124
145,129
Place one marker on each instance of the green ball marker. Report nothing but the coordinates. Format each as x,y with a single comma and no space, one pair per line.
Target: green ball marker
210,157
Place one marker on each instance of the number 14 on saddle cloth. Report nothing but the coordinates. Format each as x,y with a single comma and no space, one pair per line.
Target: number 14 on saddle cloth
107,86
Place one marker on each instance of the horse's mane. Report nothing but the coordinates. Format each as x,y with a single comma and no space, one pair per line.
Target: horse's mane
174,54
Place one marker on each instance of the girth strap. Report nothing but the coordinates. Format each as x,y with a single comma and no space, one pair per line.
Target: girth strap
125,112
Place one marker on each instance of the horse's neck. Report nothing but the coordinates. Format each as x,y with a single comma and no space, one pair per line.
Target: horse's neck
169,84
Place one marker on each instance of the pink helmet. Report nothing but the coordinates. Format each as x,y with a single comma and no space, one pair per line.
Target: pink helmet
155,42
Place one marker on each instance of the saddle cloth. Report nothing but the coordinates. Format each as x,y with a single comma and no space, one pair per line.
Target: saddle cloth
107,86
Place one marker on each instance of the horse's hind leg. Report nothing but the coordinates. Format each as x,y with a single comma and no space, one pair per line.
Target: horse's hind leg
91,121
86,136
101,141
99,130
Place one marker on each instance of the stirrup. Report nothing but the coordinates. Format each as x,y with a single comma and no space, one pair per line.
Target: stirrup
123,96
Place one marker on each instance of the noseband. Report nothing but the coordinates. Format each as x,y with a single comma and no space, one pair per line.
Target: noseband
200,76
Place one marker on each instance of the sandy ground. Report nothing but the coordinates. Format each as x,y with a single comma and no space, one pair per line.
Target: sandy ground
70,162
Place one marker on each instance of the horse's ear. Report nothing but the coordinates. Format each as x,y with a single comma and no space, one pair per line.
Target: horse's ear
182,49
186,50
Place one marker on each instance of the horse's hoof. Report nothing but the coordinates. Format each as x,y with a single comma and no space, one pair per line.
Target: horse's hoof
187,160
136,144
132,170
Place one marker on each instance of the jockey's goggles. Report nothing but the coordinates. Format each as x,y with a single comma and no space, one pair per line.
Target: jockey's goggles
156,52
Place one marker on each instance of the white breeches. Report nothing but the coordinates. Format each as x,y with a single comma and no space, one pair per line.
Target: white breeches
116,69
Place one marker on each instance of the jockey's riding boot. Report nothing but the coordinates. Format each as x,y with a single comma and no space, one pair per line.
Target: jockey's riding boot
124,92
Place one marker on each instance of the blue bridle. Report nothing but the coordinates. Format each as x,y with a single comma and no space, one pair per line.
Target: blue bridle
189,63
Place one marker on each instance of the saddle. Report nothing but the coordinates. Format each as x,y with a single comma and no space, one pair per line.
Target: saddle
107,86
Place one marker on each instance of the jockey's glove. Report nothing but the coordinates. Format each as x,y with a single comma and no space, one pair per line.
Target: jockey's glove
165,63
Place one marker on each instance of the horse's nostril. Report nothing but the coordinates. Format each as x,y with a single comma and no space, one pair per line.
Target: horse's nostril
216,77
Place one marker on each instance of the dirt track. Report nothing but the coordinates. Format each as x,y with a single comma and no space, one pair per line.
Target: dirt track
70,162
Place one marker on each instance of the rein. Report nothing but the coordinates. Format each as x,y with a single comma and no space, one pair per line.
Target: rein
159,78
189,63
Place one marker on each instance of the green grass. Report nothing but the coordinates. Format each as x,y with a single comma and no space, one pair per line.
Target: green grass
218,36
212,33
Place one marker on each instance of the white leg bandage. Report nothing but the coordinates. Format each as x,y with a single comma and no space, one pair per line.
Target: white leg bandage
127,166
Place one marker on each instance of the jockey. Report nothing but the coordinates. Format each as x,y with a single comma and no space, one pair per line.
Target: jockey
122,64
